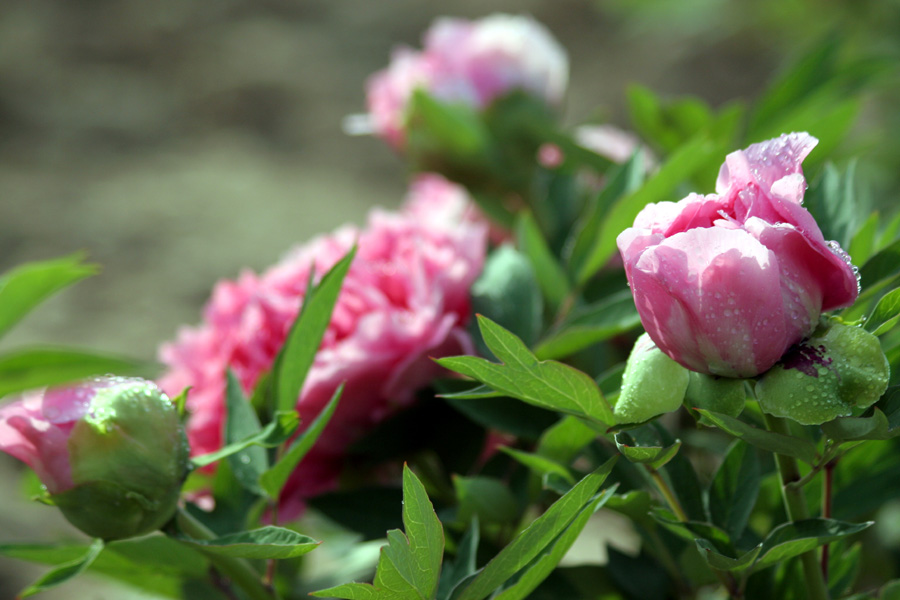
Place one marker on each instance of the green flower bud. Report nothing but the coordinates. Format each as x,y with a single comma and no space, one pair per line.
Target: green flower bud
111,452
836,370
718,394
652,384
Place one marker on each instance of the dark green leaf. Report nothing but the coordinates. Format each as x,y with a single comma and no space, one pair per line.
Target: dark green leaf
885,315
624,179
38,367
273,480
506,414
734,489
693,530
410,565
531,541
766,440
550,275
590,325
720,561
848,429
26,286
299,350
683,163
640,446
507,292
268,542
274,434
793,539
543,565
442,128
546,384
463,567
65,571
487,498
884,264
863,244
540,464
562,442
368,511
241,423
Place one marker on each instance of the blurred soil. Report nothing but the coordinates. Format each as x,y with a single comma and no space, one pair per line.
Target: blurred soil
178,142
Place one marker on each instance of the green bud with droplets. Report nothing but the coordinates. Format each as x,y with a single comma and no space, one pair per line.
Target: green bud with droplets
111,452
652,384
839,369
717,394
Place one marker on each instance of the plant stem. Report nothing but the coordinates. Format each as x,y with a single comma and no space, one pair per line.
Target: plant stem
726,579
795,505
826,509
236,569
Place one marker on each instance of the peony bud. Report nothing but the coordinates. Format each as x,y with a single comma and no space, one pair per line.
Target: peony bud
652,384
111,452
836,370
726,283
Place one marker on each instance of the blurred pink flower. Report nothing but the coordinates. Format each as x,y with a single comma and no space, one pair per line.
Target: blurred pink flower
726,283
468,62
615,144
405,299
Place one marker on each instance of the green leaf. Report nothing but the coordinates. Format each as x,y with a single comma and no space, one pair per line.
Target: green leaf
410,565
531,541
65,571
504,414
550,275
26,286
563,441
38,367
885,315
683,163
507,292
625,179
272,481
589,325
547,384
282,427
299,350
463,567
540,464
734,489
488,498
717,560
642,445
693,530
863,244
832,200
265,543
440,128
766,440
848,429
793,539
884,264
241,423
544,565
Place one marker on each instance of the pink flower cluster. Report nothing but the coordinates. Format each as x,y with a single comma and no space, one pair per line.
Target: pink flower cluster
468,62
405,299
726,283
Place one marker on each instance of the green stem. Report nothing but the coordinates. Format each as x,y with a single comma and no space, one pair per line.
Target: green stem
795,505
236,569
726,579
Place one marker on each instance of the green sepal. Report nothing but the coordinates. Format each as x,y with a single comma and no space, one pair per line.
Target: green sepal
652,384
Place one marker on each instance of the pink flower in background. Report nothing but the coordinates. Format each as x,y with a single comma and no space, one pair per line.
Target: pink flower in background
615,144
405,299
469,62
726,283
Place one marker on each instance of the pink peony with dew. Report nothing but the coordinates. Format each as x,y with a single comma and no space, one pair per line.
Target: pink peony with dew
405,299
468,62
726,283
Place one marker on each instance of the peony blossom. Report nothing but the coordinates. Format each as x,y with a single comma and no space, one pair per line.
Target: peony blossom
468,62
405,299
111,452
726,283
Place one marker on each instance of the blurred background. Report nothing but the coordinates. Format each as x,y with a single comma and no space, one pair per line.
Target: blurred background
178,142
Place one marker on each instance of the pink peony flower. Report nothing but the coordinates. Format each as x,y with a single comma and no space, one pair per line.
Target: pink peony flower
726,283
405,299
111,452
469,62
